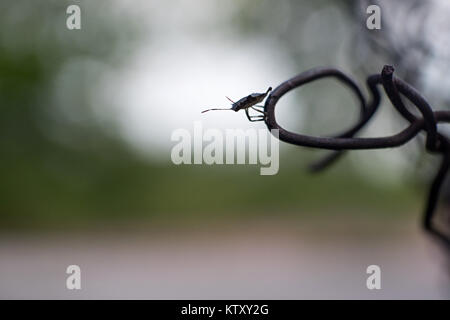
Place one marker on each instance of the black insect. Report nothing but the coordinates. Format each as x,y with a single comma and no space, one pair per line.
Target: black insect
246,103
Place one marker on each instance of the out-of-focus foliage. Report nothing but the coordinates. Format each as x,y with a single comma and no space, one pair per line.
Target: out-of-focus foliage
60,162
55,154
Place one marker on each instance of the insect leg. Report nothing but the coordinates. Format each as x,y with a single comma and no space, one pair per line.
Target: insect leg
255,118
253,107
262,117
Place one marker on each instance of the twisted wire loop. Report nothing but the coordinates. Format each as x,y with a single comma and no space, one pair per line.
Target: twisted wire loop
394,88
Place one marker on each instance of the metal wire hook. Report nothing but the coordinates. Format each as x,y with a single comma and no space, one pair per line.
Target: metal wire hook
393,86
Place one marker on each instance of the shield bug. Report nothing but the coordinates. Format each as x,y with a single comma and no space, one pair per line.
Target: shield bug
246,103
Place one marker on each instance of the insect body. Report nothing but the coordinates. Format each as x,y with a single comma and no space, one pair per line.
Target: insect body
246,103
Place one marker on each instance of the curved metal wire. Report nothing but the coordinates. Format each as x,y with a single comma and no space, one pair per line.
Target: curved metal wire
394,88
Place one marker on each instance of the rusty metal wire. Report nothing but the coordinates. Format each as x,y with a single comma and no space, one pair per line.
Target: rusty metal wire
394,88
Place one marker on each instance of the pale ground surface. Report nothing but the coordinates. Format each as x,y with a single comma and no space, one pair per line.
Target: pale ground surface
261,260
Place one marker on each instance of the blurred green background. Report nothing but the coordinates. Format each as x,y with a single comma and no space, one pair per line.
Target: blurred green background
66,159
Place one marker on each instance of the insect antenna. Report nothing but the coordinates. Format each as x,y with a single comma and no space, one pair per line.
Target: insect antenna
230,99
215,109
